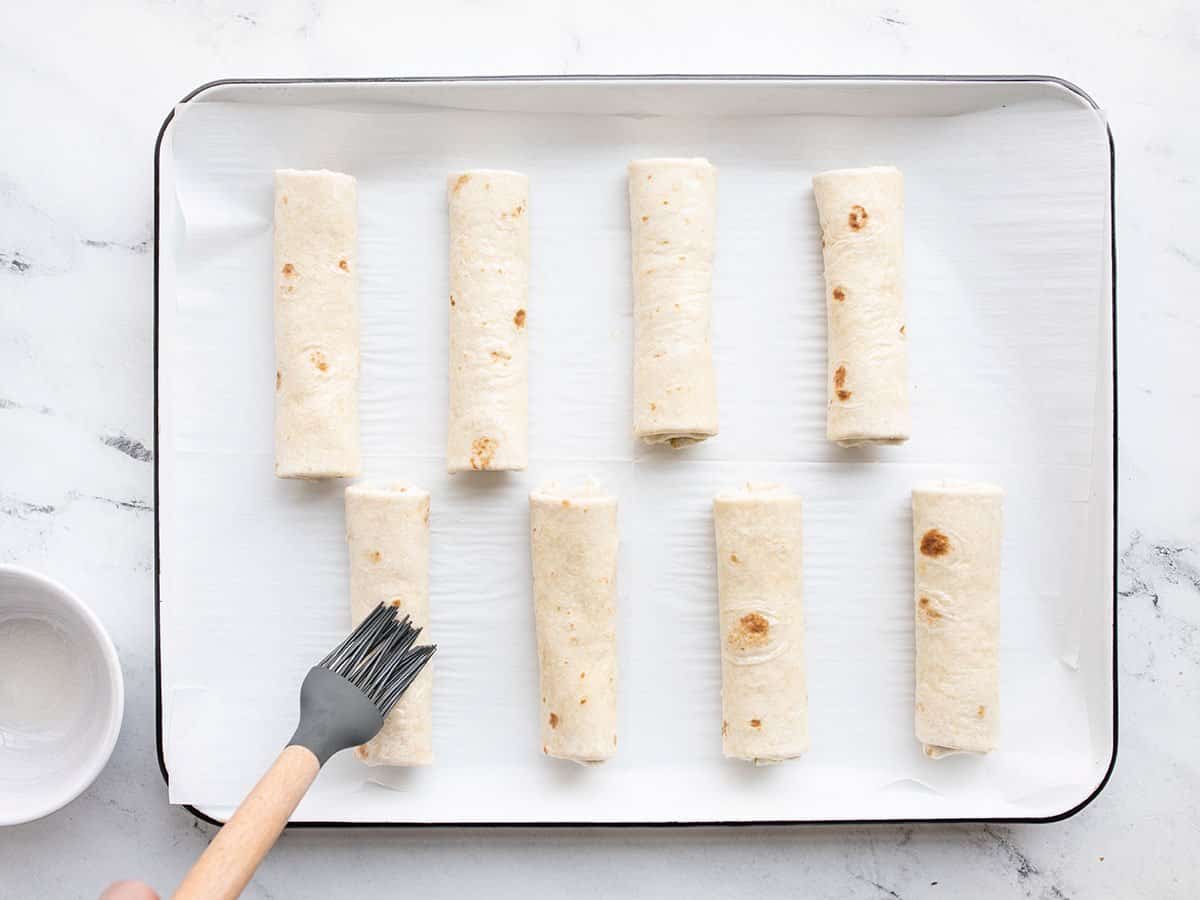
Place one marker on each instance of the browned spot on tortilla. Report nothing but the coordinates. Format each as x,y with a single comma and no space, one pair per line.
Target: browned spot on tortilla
501,354
902,329
845,395
452,303
653,407
283,199
981,711
483,450
318,360
614,740
396,602
858,217
553,720
582,675
517,212
664,243
519,318
934,543
920,707
278,379
683,259
733,558
290,289
754,623
425,513
724,728
751,630
360,752
289,270
487,185
645,218
756,723
649,177
666,203
839,377
343,265
374,556
462,179
583,701
839,294
566,504
545,749
927,610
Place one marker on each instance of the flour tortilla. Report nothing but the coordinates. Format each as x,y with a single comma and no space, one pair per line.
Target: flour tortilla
764,694
316,325
387,530
573,536
862,226
672,207
489,306
957,531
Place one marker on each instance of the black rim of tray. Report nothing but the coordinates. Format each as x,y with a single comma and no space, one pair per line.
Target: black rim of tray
976,79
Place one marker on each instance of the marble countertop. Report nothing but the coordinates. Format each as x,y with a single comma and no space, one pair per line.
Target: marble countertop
86,87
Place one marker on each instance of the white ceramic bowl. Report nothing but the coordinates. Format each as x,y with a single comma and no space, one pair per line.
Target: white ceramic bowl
61,696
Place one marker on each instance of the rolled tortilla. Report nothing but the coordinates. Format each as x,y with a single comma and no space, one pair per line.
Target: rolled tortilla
957,530
316,325
764,695
573,536
387,530
862,227
489,300
672,210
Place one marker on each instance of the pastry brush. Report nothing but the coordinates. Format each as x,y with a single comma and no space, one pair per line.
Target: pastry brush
343,702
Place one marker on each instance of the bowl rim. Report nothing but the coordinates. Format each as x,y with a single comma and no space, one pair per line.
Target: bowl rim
100,753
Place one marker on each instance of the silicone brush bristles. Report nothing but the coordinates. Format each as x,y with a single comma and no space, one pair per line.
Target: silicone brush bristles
378,657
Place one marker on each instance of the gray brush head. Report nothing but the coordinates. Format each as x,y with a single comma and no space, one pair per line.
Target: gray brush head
346,696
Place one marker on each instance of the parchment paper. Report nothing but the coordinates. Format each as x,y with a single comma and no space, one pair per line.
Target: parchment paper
1006,235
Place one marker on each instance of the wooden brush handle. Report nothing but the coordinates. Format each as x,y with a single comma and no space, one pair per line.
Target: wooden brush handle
224,869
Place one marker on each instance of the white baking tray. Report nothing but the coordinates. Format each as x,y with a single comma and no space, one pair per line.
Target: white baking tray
1010,293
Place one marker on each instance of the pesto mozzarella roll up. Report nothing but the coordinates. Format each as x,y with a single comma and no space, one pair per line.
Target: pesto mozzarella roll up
489,299
764,695
672,206
957,531
862,236
387,530
316,325
573,538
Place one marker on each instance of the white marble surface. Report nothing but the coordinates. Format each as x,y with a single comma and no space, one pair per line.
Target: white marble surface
85,88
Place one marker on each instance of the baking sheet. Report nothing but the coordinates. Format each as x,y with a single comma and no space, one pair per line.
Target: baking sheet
1007,235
